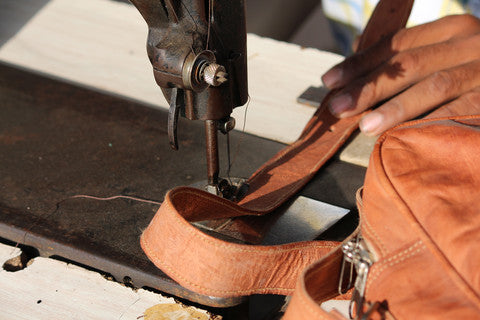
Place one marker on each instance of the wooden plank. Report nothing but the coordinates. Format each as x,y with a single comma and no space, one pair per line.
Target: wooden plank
49,288
358,150
279,72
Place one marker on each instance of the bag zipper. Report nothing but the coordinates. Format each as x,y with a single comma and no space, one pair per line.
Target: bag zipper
356,253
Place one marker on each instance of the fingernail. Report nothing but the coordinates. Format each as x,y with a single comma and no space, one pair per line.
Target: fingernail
340,103
371,122
332,77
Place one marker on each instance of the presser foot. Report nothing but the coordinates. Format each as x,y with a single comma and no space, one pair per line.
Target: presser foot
233,189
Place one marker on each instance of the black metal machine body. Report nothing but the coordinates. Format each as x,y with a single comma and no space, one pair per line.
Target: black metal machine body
198,52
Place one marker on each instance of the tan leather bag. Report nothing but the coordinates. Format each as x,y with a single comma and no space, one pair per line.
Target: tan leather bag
416,252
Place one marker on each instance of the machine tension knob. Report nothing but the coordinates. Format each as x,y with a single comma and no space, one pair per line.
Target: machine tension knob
214,74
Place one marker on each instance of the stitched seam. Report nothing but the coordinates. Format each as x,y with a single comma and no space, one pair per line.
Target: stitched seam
300,143
413,123
381,269
280,155
371,231
400,254
289,190
163,266
399,257
304,138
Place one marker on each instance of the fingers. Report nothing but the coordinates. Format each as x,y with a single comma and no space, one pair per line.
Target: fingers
435,90
465,105
422,35
400,72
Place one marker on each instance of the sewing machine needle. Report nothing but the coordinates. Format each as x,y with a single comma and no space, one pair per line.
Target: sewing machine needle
212,153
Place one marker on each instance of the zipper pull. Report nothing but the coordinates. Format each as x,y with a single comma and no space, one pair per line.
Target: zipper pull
355,252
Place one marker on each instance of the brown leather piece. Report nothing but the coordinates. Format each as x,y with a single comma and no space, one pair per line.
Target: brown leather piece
388,17
213,267
190,257
289,170
319,283
420,218
426,246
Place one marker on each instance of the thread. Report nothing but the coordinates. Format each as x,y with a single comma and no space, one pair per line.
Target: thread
116,197
237,148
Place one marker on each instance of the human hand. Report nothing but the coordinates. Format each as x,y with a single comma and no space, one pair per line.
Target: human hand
427,67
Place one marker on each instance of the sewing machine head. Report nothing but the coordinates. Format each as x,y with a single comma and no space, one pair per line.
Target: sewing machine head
198,52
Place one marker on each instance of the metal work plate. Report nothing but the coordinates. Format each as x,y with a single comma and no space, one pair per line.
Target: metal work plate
304,219
58,140
313,96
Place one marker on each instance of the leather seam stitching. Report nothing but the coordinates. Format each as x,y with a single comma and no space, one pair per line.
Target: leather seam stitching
397,258
371,231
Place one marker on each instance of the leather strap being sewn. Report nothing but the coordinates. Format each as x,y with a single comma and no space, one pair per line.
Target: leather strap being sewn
214,267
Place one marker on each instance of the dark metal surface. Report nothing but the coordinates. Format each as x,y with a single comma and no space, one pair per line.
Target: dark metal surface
58,140
183,37
305,219
313,96
190,43
211,142
176,100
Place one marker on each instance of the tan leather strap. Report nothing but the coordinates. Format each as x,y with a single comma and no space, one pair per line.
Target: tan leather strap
388,17
289,170
319,283
214,267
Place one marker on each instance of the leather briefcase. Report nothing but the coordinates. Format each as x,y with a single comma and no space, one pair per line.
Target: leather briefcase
416,252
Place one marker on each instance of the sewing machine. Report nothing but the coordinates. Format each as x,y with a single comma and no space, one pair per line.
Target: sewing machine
79,141
198,52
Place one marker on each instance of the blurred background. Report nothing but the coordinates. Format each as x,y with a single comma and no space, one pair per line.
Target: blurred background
301,22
